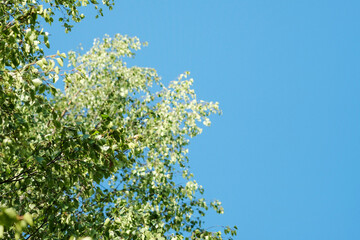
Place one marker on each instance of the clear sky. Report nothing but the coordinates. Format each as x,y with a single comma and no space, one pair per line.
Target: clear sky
284,156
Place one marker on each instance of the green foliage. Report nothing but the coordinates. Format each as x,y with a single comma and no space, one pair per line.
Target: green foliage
105,157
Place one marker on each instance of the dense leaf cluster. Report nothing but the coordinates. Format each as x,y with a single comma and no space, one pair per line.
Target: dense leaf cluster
106,157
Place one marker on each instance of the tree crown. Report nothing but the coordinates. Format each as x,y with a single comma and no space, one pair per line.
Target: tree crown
102,158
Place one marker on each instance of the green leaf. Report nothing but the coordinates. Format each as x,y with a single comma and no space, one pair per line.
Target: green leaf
42,88
28,219
53,90
60,61
1,231
10,212
57,123
39,159
37,82
106,221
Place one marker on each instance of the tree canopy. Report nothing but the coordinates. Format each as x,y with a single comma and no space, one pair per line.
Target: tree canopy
104,158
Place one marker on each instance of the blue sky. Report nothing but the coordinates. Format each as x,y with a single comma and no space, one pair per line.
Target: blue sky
284,156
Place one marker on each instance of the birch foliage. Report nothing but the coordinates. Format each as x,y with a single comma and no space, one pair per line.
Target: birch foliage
104,158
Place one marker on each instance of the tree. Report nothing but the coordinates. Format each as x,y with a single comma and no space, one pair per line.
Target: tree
104,158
